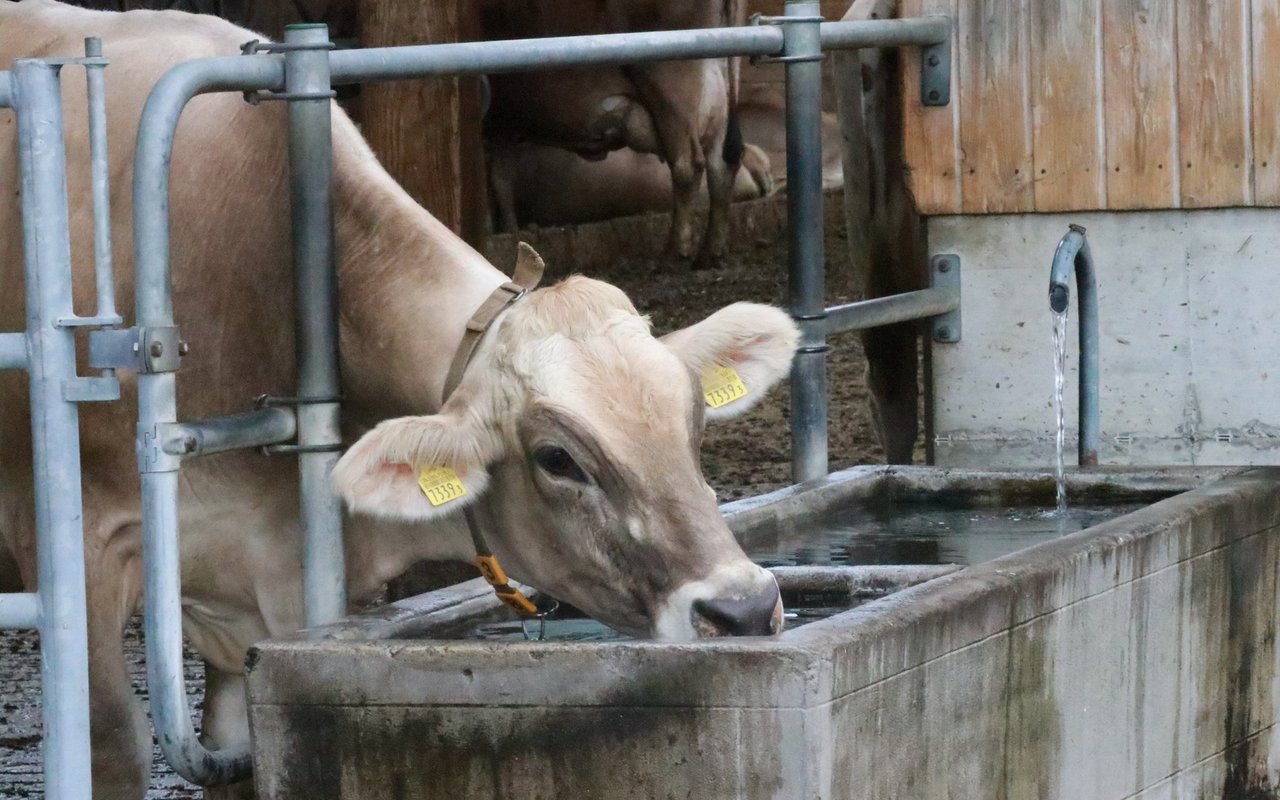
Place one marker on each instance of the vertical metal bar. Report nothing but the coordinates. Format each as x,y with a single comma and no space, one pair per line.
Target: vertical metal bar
6,90
311,187
55,432
802,52
157,408
100,172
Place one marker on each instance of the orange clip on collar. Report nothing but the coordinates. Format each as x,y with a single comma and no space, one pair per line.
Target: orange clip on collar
508,594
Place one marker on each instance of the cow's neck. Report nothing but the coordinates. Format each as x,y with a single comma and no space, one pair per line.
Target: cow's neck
408,286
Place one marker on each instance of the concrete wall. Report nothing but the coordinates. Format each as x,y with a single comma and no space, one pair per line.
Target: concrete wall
1189,327
1135,659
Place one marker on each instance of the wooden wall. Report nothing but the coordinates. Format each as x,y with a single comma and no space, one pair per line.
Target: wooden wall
1063,105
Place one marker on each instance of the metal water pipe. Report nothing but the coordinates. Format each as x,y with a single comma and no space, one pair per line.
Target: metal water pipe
1073,254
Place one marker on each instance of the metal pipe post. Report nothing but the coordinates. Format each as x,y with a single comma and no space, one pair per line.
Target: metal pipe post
157,409
55,432
1072,255
802,53
100,172
319,434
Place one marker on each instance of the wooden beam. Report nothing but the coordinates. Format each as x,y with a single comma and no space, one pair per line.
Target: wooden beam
427,133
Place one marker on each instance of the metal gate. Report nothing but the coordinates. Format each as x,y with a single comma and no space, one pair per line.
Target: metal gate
302,71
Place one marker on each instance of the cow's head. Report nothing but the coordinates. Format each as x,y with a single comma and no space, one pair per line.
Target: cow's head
577,432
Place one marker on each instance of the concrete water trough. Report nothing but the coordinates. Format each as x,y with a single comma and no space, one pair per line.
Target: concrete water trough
1133,658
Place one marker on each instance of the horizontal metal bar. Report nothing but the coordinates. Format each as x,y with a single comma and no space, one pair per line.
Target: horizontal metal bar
13,351
889,310
19,610
910,31
516,55
233,432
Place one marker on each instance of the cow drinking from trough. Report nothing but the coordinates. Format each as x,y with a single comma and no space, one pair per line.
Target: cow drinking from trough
681,111
574,430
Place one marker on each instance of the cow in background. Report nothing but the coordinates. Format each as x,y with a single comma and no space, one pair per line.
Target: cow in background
543,185
681,111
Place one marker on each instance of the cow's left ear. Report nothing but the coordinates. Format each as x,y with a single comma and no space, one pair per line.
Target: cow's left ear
740,351
415,468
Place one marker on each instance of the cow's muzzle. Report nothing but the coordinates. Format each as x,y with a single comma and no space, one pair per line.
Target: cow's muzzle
759,614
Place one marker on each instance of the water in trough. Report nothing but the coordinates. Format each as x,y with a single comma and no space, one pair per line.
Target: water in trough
918,534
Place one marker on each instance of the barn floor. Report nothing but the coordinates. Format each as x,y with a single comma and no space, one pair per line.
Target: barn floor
741,457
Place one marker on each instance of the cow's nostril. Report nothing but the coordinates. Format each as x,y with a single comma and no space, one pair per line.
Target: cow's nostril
748,616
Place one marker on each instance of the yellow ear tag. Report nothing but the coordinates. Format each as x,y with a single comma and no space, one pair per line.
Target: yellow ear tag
440,484
722,385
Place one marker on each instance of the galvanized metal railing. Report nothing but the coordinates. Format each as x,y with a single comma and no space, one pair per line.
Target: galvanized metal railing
302,72
46,349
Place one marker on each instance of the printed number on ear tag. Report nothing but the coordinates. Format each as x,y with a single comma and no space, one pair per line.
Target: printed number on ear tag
722,385
440,484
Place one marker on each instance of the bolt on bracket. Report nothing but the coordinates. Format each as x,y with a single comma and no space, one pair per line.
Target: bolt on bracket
935,73
152,349
944,271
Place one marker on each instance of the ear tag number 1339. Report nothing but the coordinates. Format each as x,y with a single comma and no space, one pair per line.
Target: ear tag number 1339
722,385
440,484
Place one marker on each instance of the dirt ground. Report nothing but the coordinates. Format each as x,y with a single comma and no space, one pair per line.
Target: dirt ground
742,457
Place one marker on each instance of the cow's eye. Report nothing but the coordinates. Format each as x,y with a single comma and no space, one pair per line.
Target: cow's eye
557,461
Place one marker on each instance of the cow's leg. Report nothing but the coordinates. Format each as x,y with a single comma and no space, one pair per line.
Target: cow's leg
225,724
723,157
120,736
688,102
503,168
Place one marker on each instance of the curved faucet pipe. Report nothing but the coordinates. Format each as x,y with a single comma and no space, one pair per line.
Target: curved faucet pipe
1073,255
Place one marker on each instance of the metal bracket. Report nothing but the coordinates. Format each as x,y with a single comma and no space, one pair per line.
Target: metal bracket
256,46
944,270
151,454
154,349
935,73
91,390
766,19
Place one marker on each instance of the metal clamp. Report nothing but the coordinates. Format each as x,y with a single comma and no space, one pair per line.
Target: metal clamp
272,401
767,19
157,348
256,46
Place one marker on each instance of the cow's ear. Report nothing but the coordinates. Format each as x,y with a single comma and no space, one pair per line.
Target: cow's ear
414,468
740,351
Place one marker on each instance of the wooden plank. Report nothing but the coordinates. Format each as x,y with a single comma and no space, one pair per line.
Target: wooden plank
995,117
1139,80
1213,130
1266,102
930,132
427,133
1066,103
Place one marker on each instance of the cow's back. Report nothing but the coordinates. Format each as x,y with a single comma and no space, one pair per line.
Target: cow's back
229,236
229,207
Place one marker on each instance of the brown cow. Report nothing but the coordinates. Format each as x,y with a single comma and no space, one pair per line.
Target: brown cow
544,185
575,430
678,110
